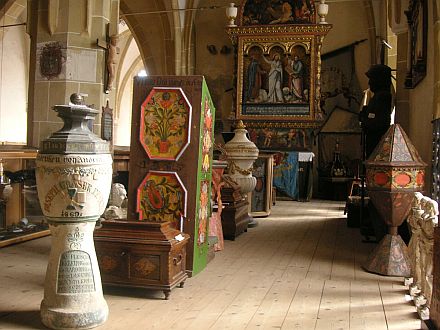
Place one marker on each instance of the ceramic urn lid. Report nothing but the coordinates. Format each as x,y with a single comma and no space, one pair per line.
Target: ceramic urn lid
240,147
75,136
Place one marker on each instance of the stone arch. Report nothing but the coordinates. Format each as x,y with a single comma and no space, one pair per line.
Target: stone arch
155,39
369,13
188,34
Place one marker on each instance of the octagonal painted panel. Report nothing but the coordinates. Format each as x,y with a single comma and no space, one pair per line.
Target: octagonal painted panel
161,197
165,123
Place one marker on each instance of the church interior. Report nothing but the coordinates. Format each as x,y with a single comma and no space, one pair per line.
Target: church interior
198,164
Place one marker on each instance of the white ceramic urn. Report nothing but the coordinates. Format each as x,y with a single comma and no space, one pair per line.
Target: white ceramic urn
322,11
74,173
231,14
241,154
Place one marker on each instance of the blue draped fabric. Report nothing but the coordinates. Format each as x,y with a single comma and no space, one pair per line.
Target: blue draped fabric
285,175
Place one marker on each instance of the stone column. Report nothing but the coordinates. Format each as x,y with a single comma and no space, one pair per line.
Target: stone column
399,26
66,59
402,94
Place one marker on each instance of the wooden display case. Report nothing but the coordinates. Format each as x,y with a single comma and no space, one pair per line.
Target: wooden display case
235,216
261,196
121,158
235,219
23,202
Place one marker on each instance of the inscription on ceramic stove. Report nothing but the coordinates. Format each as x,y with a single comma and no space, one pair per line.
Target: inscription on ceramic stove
73,192
75,274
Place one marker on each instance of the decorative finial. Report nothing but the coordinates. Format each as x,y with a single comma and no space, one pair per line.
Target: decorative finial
240,125
231,14
322,11
77,99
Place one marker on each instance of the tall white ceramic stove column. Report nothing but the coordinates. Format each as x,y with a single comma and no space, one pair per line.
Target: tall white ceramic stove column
74,172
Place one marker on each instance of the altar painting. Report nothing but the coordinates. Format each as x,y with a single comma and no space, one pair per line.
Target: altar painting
273,12
281,138
276,81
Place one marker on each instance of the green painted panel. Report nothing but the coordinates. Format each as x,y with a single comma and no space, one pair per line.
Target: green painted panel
204,175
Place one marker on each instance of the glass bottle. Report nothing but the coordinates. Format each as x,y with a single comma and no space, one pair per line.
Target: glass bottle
338,168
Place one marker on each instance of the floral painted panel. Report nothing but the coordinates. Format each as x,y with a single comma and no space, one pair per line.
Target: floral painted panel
165,118
204,213
207,137
162,197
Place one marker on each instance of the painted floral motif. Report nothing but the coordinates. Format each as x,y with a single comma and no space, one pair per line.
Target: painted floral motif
203,213
75,239
165,117
108,263
207,137
143,267
162,197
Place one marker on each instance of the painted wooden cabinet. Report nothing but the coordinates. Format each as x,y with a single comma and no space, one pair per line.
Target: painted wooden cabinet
141,254
170,166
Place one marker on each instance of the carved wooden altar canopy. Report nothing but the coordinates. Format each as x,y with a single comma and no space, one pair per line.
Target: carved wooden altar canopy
278,49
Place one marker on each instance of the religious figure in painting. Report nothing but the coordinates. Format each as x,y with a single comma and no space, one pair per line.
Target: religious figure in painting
296,78
268,135
302,9
262,12
275,79
286,15
254,79
254,12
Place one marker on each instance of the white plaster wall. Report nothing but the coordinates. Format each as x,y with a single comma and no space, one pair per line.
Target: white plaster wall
126,63
14,67
129,68
123,122
349,26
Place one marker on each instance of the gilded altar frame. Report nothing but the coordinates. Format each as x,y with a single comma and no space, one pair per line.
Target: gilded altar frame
301,109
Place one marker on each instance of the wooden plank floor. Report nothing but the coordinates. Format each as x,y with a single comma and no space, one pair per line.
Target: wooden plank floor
299,269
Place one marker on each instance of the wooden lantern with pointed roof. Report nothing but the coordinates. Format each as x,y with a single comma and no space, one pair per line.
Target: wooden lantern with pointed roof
394,171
